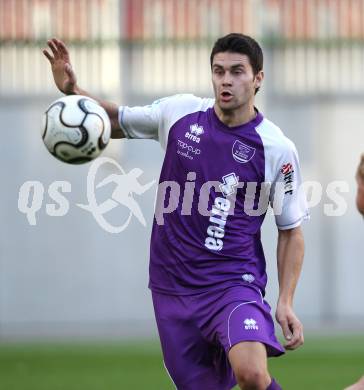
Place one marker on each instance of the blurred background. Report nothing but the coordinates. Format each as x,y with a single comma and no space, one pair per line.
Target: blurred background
65,279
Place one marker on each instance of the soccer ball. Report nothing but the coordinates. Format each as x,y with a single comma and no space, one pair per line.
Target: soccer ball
76,129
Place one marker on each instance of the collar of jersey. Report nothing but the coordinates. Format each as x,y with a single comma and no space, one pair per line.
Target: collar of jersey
249,125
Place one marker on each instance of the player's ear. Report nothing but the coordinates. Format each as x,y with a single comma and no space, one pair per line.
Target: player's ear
259,79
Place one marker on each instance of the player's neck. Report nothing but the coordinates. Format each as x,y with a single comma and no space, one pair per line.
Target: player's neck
237,117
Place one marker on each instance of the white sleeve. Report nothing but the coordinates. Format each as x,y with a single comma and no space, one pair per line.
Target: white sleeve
155,121
141,122
287,196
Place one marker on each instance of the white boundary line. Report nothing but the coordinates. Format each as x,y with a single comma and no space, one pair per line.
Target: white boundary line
241,304
164,364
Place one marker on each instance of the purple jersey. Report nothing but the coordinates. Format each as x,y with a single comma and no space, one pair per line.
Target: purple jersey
211,198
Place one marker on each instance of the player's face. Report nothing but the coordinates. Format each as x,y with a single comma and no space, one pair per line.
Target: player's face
233,80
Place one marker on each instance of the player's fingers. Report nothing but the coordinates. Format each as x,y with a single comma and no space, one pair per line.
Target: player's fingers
295,343
50,58
53,47
285,329
62,47
297,336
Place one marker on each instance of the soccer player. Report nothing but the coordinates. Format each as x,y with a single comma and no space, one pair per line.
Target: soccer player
223,160
360,181
359,385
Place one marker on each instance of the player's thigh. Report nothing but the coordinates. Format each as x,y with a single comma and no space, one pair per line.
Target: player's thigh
248,360
248,353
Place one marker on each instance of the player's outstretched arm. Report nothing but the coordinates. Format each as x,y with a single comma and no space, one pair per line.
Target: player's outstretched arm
360,181
66,81
290,251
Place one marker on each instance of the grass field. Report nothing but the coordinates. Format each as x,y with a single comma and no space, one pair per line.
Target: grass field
323,363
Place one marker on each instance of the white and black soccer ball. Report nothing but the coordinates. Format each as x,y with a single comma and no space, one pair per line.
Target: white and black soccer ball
76,129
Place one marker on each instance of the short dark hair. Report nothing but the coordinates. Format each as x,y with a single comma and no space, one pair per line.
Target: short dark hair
242,44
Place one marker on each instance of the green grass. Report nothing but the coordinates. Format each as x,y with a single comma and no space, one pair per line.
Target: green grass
323,363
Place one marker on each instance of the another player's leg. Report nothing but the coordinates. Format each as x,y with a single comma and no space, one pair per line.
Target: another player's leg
359,385
249,363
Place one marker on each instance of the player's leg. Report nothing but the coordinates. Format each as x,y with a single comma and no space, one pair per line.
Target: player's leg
188,357
244,327
249,363
251,339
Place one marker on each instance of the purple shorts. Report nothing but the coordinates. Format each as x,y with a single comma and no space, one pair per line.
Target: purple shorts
197,332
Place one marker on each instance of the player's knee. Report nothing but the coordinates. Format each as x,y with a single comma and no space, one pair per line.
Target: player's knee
252,378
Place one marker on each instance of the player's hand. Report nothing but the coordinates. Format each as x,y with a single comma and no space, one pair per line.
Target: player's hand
360,171
59,58
291,326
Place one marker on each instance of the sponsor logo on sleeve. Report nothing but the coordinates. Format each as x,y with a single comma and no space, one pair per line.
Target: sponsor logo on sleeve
287,172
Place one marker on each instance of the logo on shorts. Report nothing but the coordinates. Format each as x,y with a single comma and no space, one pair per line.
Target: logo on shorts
242,153
248,278
250,324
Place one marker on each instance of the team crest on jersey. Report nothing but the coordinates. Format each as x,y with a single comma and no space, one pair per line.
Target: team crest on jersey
242,153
